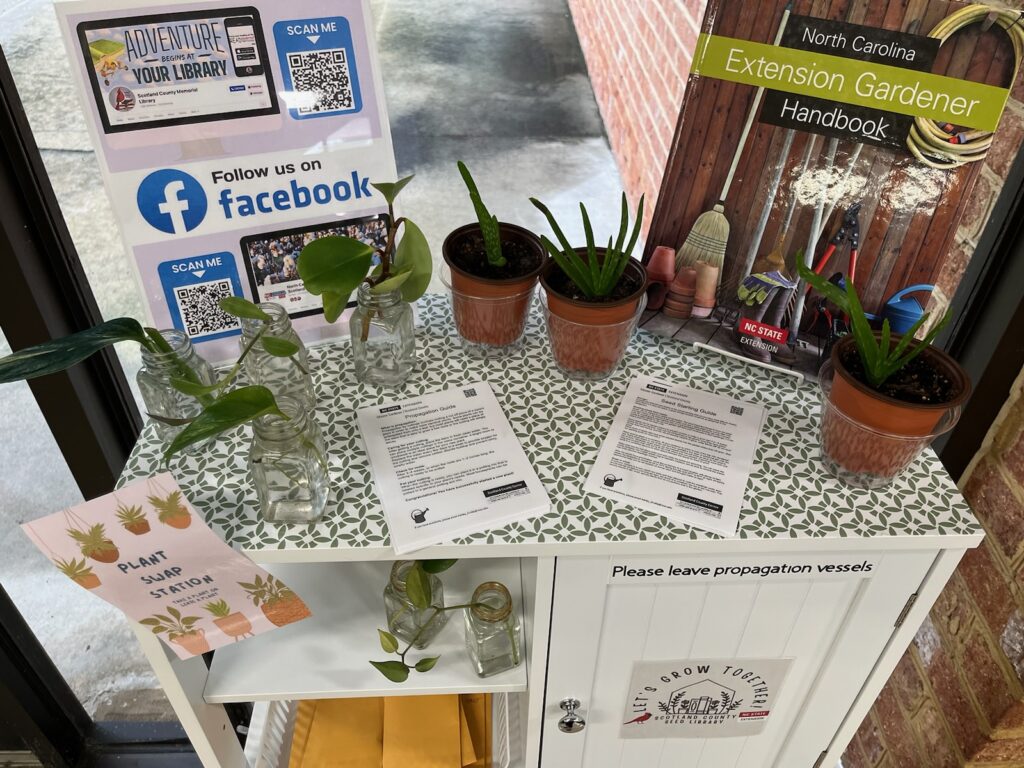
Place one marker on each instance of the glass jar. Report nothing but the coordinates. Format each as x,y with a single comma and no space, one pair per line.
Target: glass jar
492,630
418,626
154,380
284,376
383,338
289,465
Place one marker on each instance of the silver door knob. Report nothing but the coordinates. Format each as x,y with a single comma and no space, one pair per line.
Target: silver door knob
571,722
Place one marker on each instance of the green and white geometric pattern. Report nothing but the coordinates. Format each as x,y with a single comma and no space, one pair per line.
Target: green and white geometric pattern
561,424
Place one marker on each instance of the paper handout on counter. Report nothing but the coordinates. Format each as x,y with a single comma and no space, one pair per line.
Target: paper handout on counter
679,452
448,464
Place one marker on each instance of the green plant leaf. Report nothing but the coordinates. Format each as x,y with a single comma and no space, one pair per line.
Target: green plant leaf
392,283
417,587
174,611
395,671
427,664
390,189
226,412
170,422
413,254
334,304
387,641
279,347
336,264
191,388
60,354
239,307
437,566
149,622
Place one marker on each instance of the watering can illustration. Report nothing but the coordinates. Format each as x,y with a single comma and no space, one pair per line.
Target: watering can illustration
419,515
902,312
611,480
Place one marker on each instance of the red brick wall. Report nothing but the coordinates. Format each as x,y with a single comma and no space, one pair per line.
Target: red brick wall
638,56
954,699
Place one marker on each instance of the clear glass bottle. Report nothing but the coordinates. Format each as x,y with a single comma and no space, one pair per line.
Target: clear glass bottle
154,379
492,630
289,465
383,338
284,376
407,621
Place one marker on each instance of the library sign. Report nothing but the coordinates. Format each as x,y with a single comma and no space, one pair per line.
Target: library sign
850,81
701,698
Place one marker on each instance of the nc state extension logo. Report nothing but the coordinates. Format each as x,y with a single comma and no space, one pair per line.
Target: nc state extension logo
705,697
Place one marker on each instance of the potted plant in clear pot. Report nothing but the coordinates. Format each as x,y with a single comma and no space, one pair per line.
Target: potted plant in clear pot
494,270
593,296
885,398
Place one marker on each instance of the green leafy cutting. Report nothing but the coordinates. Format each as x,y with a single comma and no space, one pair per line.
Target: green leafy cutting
333,267
880,357
488,223
595,277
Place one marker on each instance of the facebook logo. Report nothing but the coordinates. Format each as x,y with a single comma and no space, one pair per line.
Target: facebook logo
172,201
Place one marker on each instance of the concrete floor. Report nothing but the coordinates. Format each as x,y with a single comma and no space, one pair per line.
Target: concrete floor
501,85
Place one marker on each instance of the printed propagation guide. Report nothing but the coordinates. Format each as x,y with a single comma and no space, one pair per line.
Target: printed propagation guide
679,452
448,464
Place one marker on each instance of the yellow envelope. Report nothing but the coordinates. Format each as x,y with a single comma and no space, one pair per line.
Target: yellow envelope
422,732
338,733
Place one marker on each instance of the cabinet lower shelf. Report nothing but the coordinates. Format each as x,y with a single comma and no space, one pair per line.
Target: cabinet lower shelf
326,656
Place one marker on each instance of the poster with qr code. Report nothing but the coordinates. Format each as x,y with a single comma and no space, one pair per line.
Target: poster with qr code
228,138
679,452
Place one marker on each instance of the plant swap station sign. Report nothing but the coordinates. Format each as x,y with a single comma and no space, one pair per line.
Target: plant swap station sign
857,82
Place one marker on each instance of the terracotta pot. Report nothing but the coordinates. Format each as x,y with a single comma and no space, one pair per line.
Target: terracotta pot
866,433
590,338
707,284
194,642
137,528
490,311
661,268
107,555
179,521
285,611
234,625
685,283
90,581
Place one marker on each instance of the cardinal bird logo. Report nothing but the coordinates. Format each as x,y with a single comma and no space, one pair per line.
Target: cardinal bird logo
642,719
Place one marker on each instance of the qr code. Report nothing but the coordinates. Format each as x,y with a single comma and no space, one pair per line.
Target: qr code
321,81
736,410
469,392
199,307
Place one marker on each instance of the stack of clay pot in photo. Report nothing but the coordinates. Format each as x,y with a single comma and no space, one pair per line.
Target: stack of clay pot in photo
679,302
661,269
707,289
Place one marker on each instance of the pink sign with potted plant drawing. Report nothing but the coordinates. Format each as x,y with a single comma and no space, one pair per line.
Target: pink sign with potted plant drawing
145,550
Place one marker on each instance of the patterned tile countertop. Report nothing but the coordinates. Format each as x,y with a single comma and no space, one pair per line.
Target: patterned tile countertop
791,502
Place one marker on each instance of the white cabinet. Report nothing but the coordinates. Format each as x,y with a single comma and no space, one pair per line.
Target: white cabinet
834,629
583,630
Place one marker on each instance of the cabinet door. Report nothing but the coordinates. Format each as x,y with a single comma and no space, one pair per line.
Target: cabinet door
833,629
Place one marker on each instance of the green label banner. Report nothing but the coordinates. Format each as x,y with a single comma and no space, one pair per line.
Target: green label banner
877,86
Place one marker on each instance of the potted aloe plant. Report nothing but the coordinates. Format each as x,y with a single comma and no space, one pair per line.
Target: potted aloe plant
886,397
593,295
386,281
494,270
78,572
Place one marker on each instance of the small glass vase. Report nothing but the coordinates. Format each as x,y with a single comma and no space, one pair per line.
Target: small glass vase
492,630
154,380
289,465
284,376
418,626
383,338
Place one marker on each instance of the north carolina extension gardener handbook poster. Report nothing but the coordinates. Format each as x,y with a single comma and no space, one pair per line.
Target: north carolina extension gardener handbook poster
847,137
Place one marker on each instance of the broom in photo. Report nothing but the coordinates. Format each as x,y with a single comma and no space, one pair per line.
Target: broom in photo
710,232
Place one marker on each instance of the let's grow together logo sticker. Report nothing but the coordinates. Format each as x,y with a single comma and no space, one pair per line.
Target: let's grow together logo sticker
701,698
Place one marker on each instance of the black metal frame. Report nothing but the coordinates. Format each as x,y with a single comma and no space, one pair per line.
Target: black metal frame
92,415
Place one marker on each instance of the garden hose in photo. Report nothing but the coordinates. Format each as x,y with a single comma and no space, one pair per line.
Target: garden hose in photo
941,145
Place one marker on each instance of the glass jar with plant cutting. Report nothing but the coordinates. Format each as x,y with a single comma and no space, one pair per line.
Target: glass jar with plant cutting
594,296
494,271
381,327
885,397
